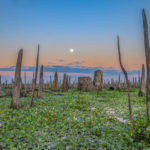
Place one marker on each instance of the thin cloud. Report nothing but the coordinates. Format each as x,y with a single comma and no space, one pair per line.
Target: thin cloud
61,60
50,63
75,63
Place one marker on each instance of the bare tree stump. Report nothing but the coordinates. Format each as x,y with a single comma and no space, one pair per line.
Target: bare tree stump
40,82
16,85
0,84
50,82
98,80
0,79
118,85
25,85
55,84
67,82
64,86
142,83
85,84
139,79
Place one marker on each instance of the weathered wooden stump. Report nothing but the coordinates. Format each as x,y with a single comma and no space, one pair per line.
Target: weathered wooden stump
118,84
98,80
64,86
50,82
85,84
142,84
16,85
55,83
0,84
40,82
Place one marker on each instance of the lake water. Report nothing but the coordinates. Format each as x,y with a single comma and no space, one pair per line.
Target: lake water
9,75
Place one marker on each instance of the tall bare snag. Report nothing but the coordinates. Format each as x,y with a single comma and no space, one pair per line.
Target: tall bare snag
142,82
35,78
40,82
118,86
25,85
16,84
64,86
147,54
127,83
55,83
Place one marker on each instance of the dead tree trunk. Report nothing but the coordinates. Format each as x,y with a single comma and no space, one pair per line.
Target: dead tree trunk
118,87
21,85
64,88
139,79
55,84
127,83
0,79
50,82
142,82
16,85
0,83
34,80
40,82
67,82
98,80
135,82
25,85
147,53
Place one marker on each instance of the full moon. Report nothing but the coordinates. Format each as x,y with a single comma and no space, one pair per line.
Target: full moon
71,50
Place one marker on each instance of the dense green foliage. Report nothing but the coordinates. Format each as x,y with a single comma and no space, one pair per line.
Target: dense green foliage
78,120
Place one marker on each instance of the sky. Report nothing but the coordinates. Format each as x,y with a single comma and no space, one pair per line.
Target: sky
90,27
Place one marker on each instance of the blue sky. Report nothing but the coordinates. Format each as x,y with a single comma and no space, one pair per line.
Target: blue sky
88,26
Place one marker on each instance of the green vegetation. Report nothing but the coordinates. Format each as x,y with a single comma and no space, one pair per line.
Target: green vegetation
78,120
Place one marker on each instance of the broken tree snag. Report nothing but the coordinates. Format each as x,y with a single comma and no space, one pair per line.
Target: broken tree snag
32,80
16,84
0,83
64,86
139,79
40,82
0,79
147,54
25,85
127,83
50,82
35,78
118,85
55,83
74,84
85,84
67,82
142,82
21,84
133,82
98,80
12,81
37,65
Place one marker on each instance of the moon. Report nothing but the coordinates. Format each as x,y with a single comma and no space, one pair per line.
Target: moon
71,50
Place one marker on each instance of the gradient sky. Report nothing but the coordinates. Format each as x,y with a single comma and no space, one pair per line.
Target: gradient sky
88,26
